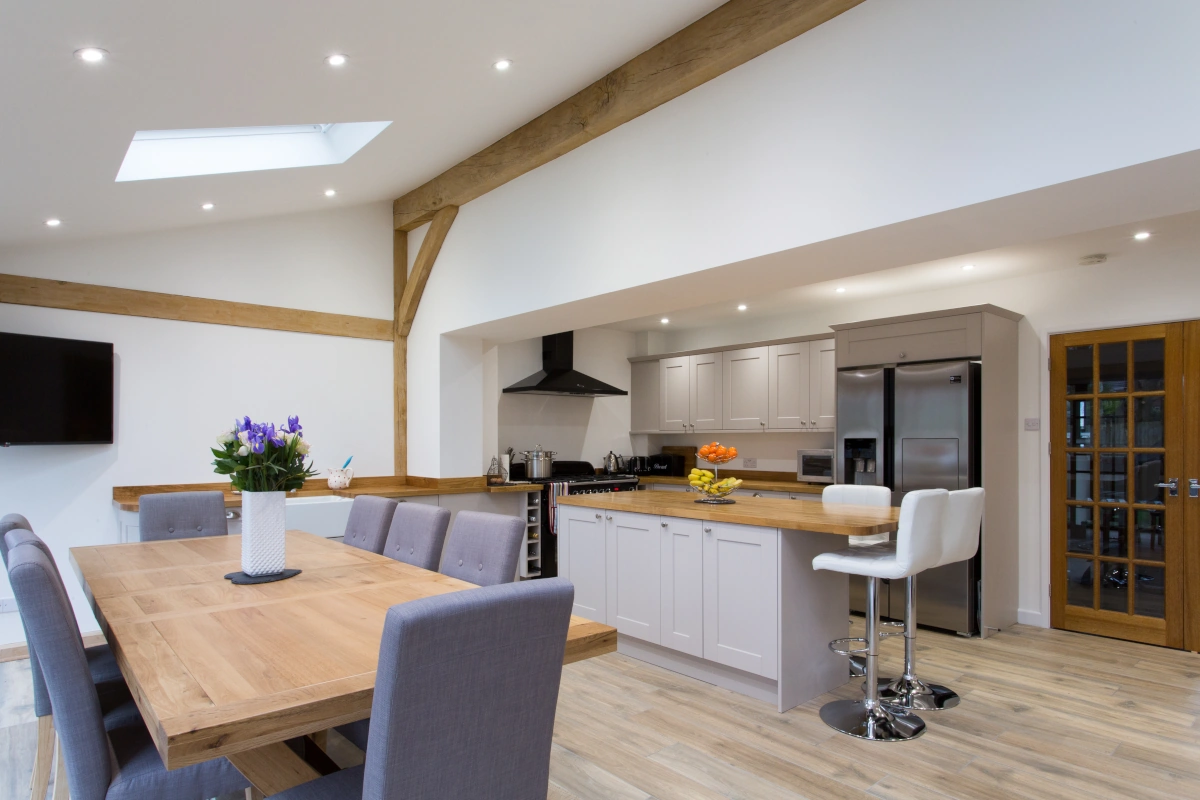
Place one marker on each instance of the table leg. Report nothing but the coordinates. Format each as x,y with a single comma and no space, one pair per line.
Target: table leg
321,738
274,768
254,794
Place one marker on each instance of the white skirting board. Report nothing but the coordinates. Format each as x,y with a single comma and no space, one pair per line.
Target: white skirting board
735,680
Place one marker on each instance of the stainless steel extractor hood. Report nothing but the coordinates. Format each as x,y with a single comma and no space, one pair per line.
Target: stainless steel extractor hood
557,375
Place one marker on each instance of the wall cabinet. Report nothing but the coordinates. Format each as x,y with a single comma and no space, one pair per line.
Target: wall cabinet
706,589
780,387
953,336
689,393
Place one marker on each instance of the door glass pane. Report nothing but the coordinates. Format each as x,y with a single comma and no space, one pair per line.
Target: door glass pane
1114,587
1079,476
1112,477
1148,421
1149,540
1113,415
1147,471
1079,423
1079,529
1079,582
1149,596
1148,365
1114,527
1079,369
1114,367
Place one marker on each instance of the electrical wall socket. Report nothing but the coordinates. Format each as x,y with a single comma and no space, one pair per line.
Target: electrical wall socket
749,463
8,604
1033,424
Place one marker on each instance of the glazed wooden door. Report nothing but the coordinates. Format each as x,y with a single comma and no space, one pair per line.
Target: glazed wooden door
1117,445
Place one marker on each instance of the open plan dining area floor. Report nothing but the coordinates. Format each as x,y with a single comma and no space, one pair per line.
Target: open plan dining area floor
1045,714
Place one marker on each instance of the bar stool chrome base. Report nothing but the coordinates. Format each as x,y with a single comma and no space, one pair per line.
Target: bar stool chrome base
912,694
877,724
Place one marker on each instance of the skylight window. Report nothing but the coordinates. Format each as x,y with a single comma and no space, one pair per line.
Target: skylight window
214,151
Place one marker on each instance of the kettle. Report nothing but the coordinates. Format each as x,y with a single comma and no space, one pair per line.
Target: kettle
613,463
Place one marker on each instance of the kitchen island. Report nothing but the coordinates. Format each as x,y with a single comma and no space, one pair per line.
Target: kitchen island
725,594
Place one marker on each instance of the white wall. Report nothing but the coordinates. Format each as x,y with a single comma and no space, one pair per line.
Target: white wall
576,428
178,383
851,143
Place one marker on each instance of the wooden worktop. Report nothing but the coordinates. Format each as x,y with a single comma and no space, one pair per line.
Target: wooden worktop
765,512
126,497
747,483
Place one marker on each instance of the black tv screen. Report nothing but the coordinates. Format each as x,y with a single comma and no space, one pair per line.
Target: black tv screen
55,391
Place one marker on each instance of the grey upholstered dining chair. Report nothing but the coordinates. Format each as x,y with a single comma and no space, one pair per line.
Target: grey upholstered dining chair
465,696
181,515
367,526
483,548
121,764
417,534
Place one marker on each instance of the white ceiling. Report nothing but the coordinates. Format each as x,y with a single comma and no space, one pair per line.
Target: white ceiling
424,65
1175,233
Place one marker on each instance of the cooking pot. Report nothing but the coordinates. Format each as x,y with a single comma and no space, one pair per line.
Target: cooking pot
539,463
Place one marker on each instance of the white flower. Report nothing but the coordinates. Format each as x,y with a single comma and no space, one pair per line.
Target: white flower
243,451
302,448
226,437
244,437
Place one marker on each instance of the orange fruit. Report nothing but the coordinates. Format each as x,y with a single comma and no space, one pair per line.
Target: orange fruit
733,452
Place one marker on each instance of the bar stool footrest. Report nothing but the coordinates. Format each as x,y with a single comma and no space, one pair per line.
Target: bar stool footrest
840,647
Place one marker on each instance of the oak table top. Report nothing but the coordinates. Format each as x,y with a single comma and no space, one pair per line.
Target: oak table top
224,670
765,512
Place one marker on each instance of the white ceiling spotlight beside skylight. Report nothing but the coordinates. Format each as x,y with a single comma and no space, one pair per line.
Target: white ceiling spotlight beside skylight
330,192
841,290
53,223
216,151
968,267
502,64
207,206
91,55
1142,236
336,60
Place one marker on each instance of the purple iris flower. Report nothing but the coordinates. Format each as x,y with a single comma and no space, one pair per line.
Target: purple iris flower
244,425
276,437
293,426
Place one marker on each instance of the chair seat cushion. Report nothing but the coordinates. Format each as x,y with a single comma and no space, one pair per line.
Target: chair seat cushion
103,664
357,732
140,774
346,784
875,561
121,715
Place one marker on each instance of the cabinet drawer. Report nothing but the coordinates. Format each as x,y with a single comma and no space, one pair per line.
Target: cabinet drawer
958,336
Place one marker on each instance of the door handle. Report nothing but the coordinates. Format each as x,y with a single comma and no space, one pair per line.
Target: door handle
1193,487
1172,487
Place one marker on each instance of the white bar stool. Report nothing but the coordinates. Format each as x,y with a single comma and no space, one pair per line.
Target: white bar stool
916,549
855,495
959,541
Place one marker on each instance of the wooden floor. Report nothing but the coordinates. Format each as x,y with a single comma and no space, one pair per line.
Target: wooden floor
1045,714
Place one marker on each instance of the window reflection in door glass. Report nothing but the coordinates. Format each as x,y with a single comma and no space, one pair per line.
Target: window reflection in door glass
1148,365
1079,423
1114,527
1079,476
1079,582
1149,537
1113,415
1148,471
1149,593
1114,587
1112,477
1079,529
1114,367
1148,421
1079,369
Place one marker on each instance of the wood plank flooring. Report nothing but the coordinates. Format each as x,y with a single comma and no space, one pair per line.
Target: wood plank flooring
1045,715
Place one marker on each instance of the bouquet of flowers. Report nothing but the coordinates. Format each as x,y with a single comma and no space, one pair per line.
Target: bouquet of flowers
259,457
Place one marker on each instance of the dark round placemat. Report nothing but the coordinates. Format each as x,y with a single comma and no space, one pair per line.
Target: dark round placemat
242,579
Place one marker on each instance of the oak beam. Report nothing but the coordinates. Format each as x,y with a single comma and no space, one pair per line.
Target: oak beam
414,287
25,291
726,38
399,355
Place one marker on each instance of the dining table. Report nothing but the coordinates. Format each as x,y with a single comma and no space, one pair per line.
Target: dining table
256,673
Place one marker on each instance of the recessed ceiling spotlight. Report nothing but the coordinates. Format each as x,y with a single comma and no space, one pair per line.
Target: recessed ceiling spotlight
330,192
336,60
664,320
91,54
841,290
207,206
742,307
968,267
1142,235
53,223
502,64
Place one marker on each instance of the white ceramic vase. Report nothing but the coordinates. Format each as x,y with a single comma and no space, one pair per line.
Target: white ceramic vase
263,533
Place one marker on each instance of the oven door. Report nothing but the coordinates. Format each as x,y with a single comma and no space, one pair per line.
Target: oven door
814,466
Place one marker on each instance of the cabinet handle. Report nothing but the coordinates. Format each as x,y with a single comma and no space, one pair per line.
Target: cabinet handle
684,427
708,530
663,524
812,422
597,516
903,354
803,424
608,516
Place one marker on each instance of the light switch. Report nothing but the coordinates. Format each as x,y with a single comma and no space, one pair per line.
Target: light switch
1033,424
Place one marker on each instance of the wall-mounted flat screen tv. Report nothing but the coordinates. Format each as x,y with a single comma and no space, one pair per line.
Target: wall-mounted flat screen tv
55,391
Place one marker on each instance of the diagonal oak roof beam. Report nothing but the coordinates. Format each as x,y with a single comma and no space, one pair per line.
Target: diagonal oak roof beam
726,38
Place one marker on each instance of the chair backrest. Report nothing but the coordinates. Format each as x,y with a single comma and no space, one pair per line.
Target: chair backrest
417,534
483,548
960,525
8,523
52,630
181,515
851,494
918,540
368,523
22,534
465,693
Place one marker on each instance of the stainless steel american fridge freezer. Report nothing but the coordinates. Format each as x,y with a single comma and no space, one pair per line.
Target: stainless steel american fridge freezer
910,427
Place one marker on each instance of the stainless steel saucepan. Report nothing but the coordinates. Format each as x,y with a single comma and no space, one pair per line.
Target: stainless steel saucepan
539,463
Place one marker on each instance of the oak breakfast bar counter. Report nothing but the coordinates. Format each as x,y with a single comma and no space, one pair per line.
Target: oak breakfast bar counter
722,593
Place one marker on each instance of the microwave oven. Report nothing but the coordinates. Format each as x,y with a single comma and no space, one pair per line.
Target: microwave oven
814,466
